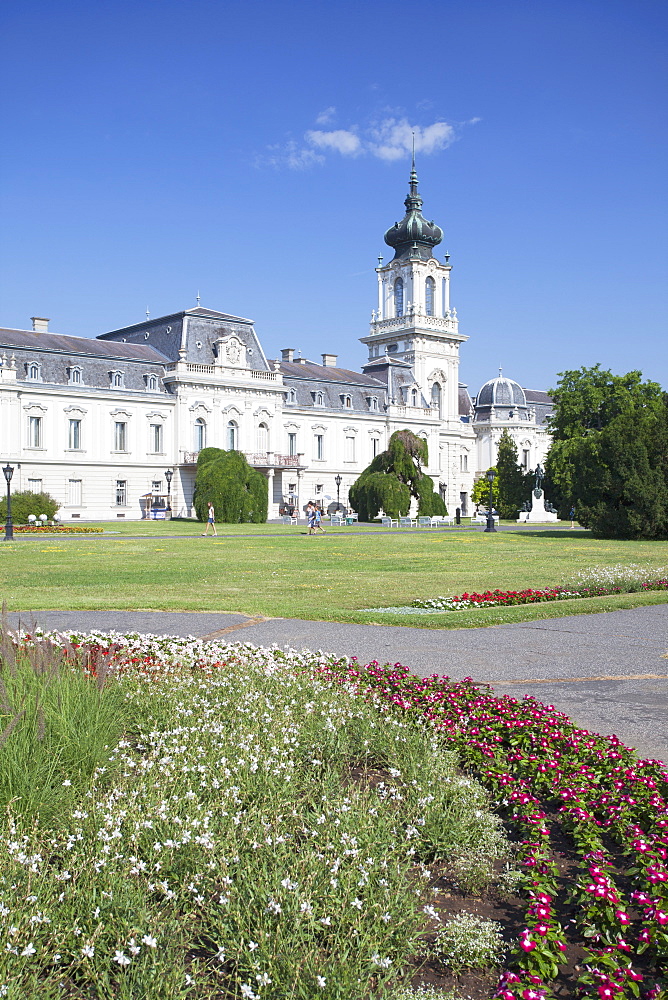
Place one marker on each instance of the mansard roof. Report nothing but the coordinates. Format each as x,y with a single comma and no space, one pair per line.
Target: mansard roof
311,371
84,346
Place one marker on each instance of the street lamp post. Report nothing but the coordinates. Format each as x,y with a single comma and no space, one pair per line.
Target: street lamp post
489,475
338,480
168,477
8,471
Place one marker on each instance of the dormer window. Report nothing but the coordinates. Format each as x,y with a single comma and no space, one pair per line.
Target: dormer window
347,400
34,372
291,396
75,376
318,398
117,379
414,397
373,402
151,383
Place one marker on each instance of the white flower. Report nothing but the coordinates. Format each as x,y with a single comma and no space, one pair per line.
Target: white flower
121,958
247,991
66,783
149,941
263,979
320,981
87,951
252,945
357,903
383,963
274,907
28,950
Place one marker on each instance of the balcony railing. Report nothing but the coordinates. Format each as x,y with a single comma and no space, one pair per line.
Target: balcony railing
267,459
234,374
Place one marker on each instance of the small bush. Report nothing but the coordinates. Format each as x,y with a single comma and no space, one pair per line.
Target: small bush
25,503
469,942
424,993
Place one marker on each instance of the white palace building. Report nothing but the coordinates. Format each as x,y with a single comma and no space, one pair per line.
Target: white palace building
98,422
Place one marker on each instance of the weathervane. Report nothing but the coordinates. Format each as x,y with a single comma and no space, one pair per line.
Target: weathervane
198,298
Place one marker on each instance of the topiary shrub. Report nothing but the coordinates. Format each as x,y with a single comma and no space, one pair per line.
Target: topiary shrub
25,503
238,492
393,478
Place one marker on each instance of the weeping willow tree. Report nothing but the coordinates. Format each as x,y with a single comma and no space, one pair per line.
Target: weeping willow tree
394,478
238,492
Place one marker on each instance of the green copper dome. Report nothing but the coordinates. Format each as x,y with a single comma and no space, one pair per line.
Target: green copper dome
413,236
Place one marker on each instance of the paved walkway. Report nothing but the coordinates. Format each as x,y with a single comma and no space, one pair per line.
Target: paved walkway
608,672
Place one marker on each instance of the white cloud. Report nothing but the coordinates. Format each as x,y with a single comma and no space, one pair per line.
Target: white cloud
325,117
342,140
390,138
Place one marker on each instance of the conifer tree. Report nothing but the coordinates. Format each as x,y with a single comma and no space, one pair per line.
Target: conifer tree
510,478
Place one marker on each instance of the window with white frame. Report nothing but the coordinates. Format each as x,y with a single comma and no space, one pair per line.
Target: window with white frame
120,435
155,438
350,448
526,455
199,434
429,289
34,432
414,397
373,402
34,486
292,443
34,372
121,492
375,444
75,376
262,438
318,488
74,435
463,462
398,297
319,446
291,396
232,435
151,382
117,379
156,486
347,400
74,493
319,398
436,397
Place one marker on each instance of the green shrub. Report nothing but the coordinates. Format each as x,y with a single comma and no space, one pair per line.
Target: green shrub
393,478
238,492
25,503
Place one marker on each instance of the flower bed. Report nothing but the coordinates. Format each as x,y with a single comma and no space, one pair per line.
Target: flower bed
532,758
548,778
507,598
55,529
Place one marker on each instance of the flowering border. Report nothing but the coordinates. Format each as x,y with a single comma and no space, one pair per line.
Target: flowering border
508,598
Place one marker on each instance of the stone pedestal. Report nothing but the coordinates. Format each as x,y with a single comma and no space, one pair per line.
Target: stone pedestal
538,513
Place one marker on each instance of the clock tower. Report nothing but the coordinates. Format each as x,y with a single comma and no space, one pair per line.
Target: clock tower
414,323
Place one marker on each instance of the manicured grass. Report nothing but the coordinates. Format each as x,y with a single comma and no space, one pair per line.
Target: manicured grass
330,577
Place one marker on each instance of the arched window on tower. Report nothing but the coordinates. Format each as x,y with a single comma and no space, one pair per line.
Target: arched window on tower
414,398
436,396
200,434
262,439
232,435
398,297
429,292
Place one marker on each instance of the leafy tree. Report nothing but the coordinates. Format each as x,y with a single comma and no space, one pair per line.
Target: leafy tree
480,491
608,457
238,492
25,502
510,478
393,478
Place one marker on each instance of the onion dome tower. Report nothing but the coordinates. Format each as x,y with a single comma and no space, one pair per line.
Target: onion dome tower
413,237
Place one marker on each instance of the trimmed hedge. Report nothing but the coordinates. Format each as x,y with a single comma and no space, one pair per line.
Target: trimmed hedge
238,492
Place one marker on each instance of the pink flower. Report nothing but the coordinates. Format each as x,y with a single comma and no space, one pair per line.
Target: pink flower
526,944
622,917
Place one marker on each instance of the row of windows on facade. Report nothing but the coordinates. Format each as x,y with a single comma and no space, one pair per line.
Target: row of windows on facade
75,438
318,398
429,296
75,377
262,441
75,491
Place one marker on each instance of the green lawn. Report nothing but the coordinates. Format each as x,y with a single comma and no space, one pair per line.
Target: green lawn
279,571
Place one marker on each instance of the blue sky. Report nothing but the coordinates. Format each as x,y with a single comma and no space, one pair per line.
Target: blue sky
257,152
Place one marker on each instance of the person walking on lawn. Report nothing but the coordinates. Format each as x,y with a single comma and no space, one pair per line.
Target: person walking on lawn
310,517
210,523
317,523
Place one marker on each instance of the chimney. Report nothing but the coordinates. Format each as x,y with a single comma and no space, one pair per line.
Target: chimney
287,353
329,360
39,324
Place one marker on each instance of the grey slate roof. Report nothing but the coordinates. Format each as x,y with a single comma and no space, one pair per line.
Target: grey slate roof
308,378
54,342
